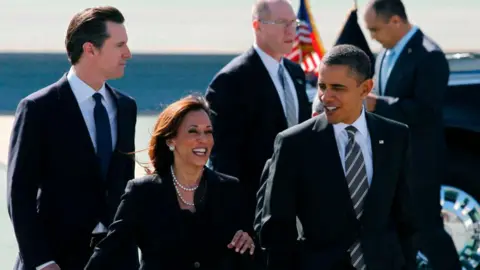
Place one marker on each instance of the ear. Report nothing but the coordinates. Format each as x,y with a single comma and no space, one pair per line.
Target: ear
256,25
395,20
366,87
89,49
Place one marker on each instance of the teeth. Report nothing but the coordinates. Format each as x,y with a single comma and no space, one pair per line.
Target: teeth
200,150
331,108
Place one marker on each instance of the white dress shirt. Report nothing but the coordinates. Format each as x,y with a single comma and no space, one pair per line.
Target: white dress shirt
272,66
362,137
84,95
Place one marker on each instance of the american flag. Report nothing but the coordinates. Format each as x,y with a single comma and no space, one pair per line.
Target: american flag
307,48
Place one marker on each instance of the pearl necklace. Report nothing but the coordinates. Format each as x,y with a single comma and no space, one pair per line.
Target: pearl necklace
180,185
177,184
181,197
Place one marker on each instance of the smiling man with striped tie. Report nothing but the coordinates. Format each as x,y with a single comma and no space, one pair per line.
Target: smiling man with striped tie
343,173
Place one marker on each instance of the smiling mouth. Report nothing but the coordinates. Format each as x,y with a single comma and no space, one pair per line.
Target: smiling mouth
201,151
331,108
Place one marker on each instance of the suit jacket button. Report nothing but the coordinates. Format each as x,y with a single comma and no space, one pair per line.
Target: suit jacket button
196,265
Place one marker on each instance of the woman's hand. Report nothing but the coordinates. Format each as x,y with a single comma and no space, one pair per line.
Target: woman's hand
242,242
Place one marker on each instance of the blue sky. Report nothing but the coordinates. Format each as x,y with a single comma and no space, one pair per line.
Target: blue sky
216,26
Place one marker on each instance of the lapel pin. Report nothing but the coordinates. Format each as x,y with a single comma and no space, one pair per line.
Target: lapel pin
409,50
380,142
299,81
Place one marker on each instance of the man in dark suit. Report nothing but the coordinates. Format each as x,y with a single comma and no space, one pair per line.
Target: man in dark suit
343,173
68,158
411,79
255,96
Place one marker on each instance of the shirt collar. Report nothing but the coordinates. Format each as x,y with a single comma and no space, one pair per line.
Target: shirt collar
270,63
398,48
81,90
360,124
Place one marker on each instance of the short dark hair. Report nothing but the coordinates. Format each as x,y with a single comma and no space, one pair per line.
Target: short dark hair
89,25
389,8
353,57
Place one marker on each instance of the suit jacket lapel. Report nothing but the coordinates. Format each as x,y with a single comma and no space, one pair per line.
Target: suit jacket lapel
119,102
404,60
75,123
378,71
379,150
268,83
333,170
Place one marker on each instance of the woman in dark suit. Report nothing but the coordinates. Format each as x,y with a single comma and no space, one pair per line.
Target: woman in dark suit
183,215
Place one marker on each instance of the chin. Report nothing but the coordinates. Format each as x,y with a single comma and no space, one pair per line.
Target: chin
288,49
332,120
116,75
199,162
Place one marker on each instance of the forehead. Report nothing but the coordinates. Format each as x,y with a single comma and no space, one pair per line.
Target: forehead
281,10
198,117
331,71
335,74
371,17
116,31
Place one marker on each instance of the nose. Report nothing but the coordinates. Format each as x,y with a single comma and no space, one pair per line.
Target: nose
202,137
291,29
325,95
127,54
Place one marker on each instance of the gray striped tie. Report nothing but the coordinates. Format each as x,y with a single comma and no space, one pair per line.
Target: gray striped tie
288,97
356,175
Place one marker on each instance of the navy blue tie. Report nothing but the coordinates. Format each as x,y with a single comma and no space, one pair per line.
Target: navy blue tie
103,134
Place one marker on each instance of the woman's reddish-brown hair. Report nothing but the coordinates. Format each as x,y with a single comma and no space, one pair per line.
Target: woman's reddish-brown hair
166,128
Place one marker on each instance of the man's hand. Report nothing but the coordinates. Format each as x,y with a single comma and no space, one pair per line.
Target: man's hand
242,242
371,101
53,266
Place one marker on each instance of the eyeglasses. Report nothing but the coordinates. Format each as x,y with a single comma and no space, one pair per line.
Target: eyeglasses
286,24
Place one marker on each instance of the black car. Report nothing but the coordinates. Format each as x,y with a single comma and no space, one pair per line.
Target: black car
460,193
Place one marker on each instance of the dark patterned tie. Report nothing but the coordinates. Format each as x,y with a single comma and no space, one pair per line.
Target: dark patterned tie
103,134
356,175
289,100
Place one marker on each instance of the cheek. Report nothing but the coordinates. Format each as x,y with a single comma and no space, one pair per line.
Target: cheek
113,55
210,140
188,143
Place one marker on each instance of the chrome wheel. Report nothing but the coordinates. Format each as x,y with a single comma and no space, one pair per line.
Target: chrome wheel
461,217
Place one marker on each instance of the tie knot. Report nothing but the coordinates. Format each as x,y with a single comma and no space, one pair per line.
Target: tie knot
351,130
97,97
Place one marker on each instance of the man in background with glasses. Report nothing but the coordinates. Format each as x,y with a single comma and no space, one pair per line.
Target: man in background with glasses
256,96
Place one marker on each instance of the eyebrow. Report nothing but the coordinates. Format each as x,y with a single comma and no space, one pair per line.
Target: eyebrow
336,85
196,126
